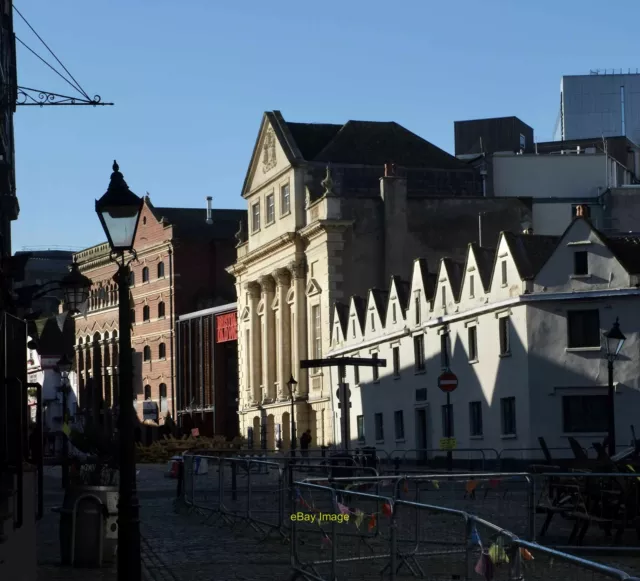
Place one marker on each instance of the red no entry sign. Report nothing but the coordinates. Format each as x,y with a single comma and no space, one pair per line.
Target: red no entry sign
448,381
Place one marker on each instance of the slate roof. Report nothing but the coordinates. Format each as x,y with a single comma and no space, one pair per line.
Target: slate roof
428,278
454,274
530,251
484,261
626,249
312,138
190,222
342,311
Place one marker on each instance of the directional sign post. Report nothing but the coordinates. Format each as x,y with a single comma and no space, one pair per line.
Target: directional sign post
447,382
344,393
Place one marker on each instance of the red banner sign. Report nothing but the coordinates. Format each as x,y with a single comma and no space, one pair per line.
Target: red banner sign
227,327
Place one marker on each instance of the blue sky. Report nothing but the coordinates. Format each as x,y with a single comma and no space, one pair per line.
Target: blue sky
190,80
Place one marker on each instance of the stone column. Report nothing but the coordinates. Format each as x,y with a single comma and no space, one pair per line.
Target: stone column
299,272
254,356
283,281
268,339
106,376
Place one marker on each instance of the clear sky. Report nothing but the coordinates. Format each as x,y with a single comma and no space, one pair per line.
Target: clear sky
191,78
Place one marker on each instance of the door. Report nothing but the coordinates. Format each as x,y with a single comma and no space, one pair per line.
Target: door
421,435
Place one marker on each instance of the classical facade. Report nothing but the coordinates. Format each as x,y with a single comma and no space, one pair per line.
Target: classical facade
521,327
181,255
334,210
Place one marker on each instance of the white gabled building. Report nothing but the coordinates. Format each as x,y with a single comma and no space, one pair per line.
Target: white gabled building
525,325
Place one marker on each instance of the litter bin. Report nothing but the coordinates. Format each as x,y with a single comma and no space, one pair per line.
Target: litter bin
88,526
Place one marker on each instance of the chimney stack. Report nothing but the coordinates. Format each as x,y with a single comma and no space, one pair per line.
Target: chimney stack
209,219
389,170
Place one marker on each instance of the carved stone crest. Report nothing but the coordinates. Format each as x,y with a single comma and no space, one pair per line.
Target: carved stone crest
269,151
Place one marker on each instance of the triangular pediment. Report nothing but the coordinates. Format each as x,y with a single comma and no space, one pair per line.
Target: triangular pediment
245,314
261,307
313,288
444,293
291,295
272,152
357,314
275,303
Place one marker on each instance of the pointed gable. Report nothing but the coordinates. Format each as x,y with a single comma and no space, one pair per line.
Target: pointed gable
340,323
484,258
601,266
529,251
422,286
376,308
274,150
448,281
357,311
397,302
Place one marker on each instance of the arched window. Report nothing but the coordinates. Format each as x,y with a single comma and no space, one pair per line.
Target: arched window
133,316
145,313
160,269
160,310
146,353
132,278
162,388
147,392
162,351
145,274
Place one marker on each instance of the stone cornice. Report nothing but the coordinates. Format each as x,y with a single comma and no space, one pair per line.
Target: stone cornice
265,250
319,226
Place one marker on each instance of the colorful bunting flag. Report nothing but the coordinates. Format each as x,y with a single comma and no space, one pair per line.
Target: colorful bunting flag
526,555
498,554
436,484
359,518
343,509
475,537
471,486
484,567
66,430
372,522
387,510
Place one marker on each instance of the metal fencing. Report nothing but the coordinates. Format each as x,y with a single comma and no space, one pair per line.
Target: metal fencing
345,521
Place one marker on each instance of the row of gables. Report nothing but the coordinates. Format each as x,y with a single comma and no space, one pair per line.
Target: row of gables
521,264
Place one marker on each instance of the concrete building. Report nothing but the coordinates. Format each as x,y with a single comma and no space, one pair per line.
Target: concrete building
207,371
601,104
334,210
181,255
525,323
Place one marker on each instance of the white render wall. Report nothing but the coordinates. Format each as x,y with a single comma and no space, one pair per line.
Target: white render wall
539,370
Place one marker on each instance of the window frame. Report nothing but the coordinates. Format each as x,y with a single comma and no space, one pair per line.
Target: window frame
375,370
378,426
503,273
145,274
580,268
146,353
395,356
476,428
162,351
472,343
160,270
508,416
161,310
147,390
419,364
572,315
255,217
270,218
285,208
504,335
398,426
360,428
600,402
146,314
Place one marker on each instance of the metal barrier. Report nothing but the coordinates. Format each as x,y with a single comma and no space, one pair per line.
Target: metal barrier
589,512
329,542
468,459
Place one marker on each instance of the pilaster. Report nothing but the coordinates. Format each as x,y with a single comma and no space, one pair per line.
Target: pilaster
268,339
299,272
283,281
255,357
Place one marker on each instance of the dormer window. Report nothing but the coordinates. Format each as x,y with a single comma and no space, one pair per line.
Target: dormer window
581,263
255,217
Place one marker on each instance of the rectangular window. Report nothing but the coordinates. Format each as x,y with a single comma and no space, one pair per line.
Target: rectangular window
353,328
444,296
356,375
444,351
418,352
399,424
473,343
471,286
421,394
508,416
581,263
316,336
373,322
271,209
285,200
379,426
503,323
255,217
360,428
475,418
417,308
393,313
584,413
396,361
584,328
503,266
376,369
447,421
523,142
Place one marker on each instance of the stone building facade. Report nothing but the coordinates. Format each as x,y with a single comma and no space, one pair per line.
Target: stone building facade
334,210
181,255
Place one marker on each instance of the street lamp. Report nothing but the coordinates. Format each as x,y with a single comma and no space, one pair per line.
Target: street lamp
614,342
119,212
64,367
291,384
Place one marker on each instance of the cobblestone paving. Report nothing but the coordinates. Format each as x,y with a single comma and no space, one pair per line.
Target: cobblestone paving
182,545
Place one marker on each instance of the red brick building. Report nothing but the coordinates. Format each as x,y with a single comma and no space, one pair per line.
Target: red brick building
180,268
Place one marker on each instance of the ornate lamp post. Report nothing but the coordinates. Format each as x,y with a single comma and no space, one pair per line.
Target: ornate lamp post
614,342
291,384
64,367
119,212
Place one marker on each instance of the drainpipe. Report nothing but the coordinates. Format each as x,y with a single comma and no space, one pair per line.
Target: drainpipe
173,337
